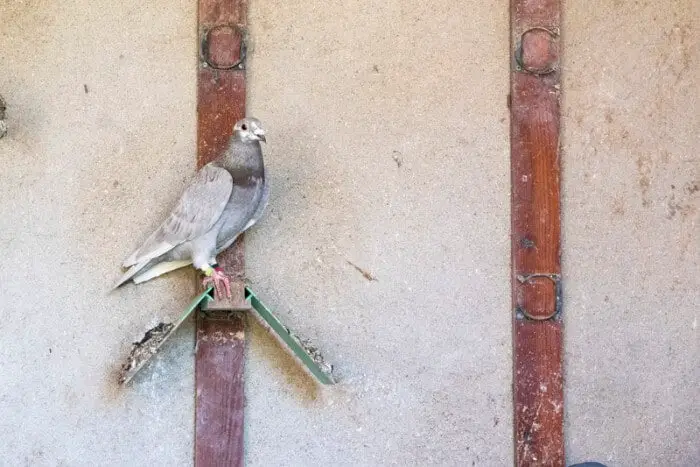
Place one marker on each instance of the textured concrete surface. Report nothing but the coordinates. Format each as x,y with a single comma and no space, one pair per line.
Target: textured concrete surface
424,352
388,148
631,200
85,175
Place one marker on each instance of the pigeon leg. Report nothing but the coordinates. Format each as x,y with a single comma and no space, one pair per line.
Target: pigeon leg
220,281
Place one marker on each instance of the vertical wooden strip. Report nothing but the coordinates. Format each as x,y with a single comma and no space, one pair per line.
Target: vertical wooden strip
219,398
535,230
220,354
538,386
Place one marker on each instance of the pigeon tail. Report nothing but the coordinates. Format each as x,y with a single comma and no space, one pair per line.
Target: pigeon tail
129,274
159,270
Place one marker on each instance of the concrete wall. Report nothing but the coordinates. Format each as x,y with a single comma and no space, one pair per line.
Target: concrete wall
388,148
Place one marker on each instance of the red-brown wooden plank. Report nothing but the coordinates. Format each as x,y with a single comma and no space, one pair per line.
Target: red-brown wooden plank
219,359
535,233
538,386
219,398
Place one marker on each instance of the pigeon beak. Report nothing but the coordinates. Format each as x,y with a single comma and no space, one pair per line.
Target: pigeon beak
261,137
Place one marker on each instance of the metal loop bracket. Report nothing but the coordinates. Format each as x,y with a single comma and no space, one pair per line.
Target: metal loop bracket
556,279
218,47
537,51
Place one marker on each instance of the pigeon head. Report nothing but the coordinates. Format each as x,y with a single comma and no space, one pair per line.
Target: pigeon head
249,129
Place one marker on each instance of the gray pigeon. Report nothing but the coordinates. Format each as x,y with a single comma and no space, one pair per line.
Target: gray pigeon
226,197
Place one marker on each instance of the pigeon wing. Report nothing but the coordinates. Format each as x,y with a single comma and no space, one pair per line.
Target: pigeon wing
198,209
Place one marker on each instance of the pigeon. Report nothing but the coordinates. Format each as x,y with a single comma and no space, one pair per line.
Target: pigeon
225,198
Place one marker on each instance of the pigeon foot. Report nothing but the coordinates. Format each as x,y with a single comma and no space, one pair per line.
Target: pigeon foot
220,281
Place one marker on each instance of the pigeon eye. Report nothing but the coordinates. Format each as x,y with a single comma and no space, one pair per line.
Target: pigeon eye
244,127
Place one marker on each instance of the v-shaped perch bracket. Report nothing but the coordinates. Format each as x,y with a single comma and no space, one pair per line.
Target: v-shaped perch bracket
144,350
307,353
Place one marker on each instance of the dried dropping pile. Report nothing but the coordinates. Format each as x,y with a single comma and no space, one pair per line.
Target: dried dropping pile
316,356
143,350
